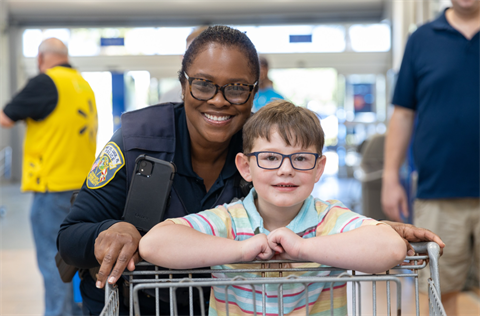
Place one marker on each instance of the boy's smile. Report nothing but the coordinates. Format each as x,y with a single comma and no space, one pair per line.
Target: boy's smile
281,191
286,187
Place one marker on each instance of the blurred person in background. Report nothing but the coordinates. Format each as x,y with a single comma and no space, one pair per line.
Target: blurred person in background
175,94
437,92
265,93
58,107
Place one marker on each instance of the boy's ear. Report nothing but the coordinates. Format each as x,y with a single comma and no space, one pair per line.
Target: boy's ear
243,165
320,167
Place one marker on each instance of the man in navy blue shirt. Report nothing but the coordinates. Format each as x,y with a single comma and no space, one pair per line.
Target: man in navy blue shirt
438,89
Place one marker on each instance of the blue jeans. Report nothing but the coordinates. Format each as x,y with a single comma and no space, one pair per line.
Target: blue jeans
47,213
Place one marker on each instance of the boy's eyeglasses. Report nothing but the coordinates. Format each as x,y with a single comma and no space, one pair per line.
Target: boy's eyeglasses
234,93
271,160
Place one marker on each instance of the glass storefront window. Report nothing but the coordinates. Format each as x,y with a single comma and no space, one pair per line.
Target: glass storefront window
330,39
31,40
84,42
370,37
296,38
33,37
101,83
137,85
171,40
314,87
142,41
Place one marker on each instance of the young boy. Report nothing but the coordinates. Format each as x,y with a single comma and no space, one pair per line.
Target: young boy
283,158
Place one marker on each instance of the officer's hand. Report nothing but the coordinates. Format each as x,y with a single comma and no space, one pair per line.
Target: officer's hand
116,249
411,233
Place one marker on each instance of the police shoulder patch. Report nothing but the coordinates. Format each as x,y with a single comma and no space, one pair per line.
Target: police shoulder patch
106,166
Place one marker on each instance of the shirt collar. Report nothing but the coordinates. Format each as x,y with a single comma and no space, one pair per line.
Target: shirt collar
441,22
64,65
182,152
305,218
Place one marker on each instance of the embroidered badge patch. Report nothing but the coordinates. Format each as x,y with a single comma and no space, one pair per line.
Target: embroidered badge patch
106,166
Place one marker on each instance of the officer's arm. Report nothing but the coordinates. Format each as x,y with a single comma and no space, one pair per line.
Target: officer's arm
94,211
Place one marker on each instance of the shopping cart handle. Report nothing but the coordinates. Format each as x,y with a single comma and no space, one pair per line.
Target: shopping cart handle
433,250
423,247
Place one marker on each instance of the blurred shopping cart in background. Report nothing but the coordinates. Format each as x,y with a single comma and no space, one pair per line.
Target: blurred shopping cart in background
370,171
155,280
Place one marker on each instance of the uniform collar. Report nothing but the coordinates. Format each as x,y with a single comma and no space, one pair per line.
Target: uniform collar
183,156
304,220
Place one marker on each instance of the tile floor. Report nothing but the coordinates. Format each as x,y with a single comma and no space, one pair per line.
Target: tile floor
21,285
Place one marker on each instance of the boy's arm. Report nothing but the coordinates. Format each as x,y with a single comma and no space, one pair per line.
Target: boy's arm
370,249
177,246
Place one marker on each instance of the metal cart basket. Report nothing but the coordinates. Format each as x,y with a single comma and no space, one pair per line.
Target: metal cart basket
157,279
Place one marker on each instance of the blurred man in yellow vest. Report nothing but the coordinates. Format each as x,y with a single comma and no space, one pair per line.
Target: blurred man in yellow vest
58,107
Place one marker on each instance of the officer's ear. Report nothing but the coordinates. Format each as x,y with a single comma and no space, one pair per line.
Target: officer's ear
183,88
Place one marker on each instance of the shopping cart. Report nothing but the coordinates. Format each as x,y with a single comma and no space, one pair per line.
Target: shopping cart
157,279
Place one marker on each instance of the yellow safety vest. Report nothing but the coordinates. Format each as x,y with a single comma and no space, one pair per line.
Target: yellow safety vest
59,150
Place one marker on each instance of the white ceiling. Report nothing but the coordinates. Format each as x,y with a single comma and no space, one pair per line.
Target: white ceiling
191,12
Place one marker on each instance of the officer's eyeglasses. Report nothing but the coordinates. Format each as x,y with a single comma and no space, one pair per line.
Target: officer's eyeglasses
234,93
272,160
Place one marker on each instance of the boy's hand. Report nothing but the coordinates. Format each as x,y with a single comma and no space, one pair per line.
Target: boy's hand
285,243
256,248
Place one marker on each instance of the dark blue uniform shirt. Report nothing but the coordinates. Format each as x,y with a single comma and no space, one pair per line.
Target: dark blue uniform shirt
187,183
95,210
439,80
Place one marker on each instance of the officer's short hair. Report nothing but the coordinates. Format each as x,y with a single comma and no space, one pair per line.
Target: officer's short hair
225,36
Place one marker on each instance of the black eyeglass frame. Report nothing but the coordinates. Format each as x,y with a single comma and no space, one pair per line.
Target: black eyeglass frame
222,88
256,153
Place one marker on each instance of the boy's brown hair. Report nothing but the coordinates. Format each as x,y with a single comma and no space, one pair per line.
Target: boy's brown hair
296,126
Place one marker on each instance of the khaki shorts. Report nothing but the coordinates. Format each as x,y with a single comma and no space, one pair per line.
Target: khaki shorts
455,221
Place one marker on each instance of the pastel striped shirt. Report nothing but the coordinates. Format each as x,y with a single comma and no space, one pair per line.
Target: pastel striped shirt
241,220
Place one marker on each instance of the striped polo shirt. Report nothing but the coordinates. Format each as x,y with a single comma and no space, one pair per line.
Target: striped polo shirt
240,221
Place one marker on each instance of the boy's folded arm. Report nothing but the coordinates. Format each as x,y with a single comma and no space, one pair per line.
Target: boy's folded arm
180,247
370,249
177,246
